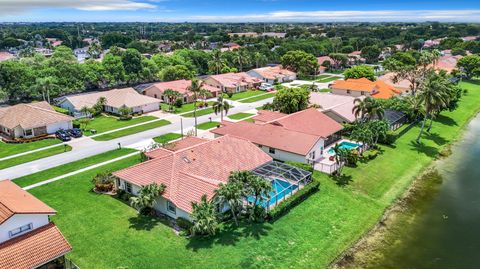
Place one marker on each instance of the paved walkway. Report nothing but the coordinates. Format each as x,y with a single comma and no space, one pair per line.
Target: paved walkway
79,171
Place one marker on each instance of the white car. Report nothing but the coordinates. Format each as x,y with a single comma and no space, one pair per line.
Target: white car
266,87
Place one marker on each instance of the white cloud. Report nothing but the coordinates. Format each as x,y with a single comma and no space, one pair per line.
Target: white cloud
7,7
352,15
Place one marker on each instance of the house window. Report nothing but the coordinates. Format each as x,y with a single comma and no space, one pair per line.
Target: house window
21,230
271,150
128,187
155,95
348,91
28,132
184,99
171,207
238,89
362,93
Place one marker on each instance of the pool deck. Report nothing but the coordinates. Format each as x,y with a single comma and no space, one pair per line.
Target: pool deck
324,164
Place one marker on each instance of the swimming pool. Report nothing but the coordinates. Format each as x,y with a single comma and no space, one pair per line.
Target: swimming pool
344,145
280,189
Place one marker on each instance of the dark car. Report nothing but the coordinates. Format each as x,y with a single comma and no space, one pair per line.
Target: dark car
75,132
63,135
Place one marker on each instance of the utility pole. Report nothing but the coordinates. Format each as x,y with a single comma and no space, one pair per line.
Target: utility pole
181,125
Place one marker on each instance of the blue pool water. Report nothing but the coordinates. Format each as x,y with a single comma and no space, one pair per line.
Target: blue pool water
280,189
344,145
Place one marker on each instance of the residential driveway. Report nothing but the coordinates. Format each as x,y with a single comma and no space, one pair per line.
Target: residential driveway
86,147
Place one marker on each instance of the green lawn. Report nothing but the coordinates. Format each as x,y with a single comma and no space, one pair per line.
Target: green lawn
239,116
201,112
70,167
185,107
245,94
208,125
107,123
258,97
34,156
325,90
133,130
311,235
167,138
325,80
7,149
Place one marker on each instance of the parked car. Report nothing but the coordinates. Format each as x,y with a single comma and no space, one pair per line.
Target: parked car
266,87
75,132
62,135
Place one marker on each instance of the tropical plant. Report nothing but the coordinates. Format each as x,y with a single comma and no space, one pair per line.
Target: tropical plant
98,106
340,158
45,86
368,108
216,63
171,97
103,182
86,111
221,106
291,100
204,217
240,58
146,198
125,112
231,194
379,128
196,89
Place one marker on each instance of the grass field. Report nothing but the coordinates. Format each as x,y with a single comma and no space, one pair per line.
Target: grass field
325,80
132,130
208,125
311,235
34,156
185,107
107,123
239,116
166,138
12,149
70,167
201,112
245,94
258,97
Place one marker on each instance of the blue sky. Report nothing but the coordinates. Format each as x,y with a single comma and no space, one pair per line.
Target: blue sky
238,11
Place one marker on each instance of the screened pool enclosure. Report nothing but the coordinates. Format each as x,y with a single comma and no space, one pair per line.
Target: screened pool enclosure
285,179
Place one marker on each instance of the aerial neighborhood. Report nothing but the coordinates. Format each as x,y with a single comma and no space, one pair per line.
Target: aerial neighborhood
136,145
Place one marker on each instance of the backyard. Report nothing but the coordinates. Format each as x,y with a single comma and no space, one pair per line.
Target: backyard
311,235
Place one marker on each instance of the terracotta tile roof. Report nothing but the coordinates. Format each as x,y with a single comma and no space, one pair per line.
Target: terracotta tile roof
115,98
296,133
5,55
447,63
401,85
340,104
30,115
377,89
230,80
14,200
34,248
322,59
267,115
193,171
175,146
274,72
180,86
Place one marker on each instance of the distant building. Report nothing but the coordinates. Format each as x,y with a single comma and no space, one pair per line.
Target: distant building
156,90
337,107
275,35
246,34
233,82
5,55
273,74
363,87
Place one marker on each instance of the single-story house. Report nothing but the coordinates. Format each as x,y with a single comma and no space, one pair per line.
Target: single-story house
116,99
27,237
446,62
364,87
233,82
300,137
273,74
30,120
355,57
401,85
190,169
156,90
321,60
337,107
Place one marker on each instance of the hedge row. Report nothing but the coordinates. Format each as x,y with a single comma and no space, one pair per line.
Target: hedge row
28,140
283,207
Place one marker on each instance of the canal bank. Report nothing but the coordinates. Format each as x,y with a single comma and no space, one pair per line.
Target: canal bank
434,225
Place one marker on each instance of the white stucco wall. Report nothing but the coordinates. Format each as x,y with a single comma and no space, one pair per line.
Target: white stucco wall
65,104
52,128
284,155
18,220
352,93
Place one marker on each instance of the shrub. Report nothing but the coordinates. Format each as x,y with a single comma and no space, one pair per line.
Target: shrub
103,182
76,124
370,154
352,158
126,117
229,94
285,206
178,103
184,224
304,166
389,138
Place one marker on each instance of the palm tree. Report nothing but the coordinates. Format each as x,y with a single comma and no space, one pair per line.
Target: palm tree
204,217
196,89
45,85
171,97
146,198
85,110
339,157
216,64
368,107
231,194
260,189
220,106
433,96
379,129
260,59
240,58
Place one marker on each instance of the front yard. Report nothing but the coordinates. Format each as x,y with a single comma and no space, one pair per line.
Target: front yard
208,125
34,156
7,149
258,97
132,130
105,123
244,95
107,233
241,115
183,109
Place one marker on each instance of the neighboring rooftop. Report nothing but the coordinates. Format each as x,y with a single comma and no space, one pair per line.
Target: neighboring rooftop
377,89
191,172
235,79
180,86
29,116
402,85
340,104
274,72
447,63
5,55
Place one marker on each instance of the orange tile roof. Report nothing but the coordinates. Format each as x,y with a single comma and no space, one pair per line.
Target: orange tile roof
377,89
235,79
193,171
30,115
34,248
180,86
14,200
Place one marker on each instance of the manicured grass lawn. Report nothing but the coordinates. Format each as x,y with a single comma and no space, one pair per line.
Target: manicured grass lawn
245,94
133,130
70,167
107,123
249,120
241,115
34,156
12,149
325,80
167,138
325,90
311,235
208,125
201,112
258,97
185,107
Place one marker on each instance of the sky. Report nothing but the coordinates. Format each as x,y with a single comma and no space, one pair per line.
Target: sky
238,10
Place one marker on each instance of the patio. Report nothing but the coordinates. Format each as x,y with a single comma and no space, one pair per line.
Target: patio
326,163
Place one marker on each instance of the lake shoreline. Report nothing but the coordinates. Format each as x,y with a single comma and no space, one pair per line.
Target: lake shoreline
423,188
